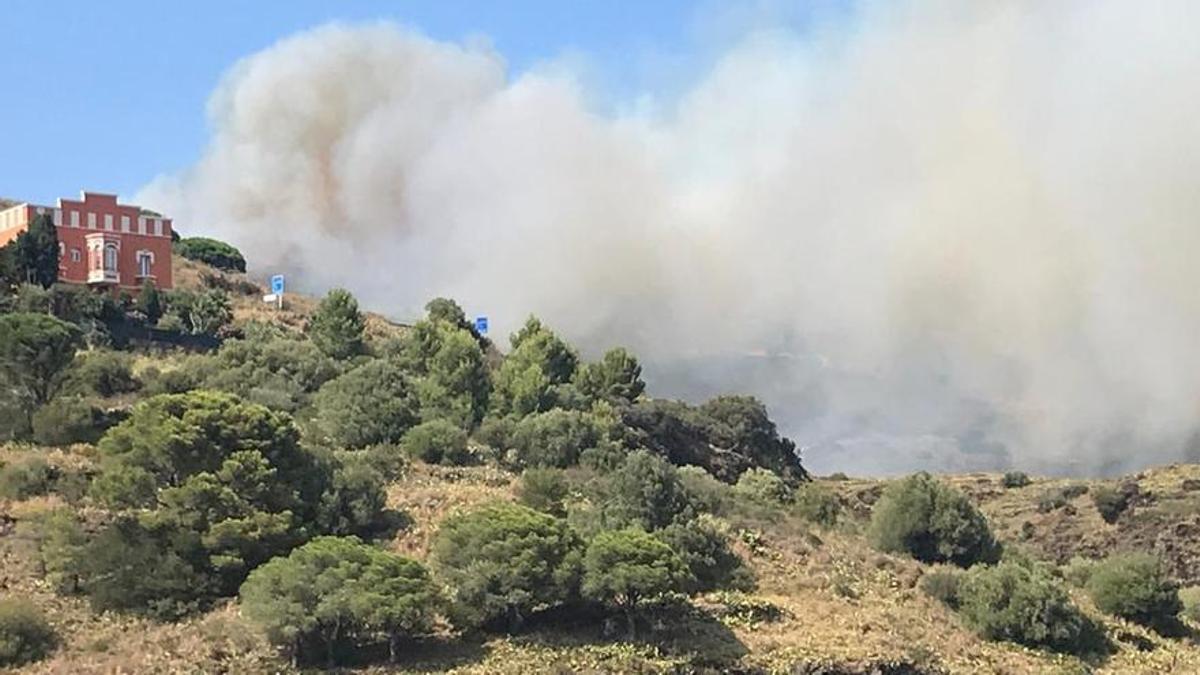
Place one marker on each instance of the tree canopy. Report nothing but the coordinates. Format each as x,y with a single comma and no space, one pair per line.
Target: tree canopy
504,561
337,326
35,352
625,567
211,252
335,588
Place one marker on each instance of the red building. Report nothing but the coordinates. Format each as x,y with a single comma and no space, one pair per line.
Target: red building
101,243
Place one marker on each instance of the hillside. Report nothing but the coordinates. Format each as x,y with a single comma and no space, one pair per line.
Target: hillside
824,599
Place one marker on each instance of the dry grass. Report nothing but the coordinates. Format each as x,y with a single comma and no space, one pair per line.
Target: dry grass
189,274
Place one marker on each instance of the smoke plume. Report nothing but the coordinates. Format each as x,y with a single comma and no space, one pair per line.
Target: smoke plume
930,234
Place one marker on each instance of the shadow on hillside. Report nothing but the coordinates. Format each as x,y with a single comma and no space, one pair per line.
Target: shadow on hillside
1175,629
426,655
677,629
1093,646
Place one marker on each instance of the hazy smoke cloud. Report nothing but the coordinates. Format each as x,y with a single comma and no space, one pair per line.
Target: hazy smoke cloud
965,234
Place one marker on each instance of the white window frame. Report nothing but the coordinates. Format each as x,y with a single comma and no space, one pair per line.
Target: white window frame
108,222
74,219
116,256
75,255
147,256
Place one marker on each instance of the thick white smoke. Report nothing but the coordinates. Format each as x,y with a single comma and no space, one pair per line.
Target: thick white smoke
965,234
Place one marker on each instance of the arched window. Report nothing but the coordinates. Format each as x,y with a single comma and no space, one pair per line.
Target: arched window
110,257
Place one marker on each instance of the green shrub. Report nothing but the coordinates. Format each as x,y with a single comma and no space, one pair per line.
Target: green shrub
102,373
1078,571
544,489
942,584
625,568
337,326
1016,479
932,522
31,477
25,635
708,494
437,442
645,491
373,403
218,486
763,486
554,438
503,561
817,504
335,588
274,371
211,252
1057,498
706,552
175,381
1135,586
355,502
388,459
1190,599
1021,604
1112,502
495,432
68,419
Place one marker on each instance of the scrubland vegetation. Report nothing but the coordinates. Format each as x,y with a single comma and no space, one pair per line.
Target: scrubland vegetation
324,488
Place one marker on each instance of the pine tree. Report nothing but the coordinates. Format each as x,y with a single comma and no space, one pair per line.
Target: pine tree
36,252
337,327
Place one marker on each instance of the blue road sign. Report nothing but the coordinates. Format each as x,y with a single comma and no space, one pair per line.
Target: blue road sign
481,325
277,284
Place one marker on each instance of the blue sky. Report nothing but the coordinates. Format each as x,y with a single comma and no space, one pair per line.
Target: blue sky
111,94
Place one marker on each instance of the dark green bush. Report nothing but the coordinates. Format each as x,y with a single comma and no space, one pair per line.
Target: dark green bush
645,491
336,589
1016,479
274,371
932,522
437,442
708,494
1190,599
1021,604
102,373
1077,571
1135,586
373,403
503,561
176,381
25,635
544,489
764,487
554,438
211,252
942,584
1112,502
68,419
816,504
706,552
495,432
27,478
388,459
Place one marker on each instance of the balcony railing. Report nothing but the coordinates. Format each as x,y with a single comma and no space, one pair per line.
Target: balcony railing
103,277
